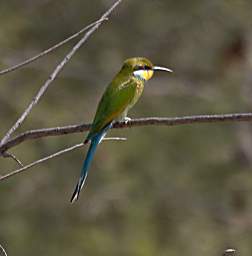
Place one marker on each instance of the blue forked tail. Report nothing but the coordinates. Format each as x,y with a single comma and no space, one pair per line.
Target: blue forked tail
85,167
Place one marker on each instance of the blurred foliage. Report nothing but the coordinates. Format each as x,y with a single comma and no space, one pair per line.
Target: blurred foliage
167,190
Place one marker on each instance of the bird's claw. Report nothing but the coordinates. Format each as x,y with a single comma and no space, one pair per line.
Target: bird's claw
126,119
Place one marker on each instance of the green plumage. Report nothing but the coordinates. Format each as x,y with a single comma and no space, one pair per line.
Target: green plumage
121,94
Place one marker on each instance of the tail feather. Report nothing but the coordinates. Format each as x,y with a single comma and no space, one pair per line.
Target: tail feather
85,167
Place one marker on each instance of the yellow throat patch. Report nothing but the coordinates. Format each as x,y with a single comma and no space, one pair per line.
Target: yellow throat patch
144,74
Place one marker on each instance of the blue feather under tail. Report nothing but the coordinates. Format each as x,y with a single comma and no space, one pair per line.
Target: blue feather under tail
86,164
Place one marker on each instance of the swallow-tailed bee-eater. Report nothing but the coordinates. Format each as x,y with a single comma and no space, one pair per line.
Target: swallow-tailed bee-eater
120,96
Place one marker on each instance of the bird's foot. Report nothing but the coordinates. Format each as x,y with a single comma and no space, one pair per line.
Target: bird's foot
126,119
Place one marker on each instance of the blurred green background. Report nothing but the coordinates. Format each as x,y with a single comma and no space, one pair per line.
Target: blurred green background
167,190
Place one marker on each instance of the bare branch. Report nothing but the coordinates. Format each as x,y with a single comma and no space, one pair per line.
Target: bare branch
3,250
114,138
239,117
8,154
172,121
51,49
55,73
229,252
9,174
35,134
25,168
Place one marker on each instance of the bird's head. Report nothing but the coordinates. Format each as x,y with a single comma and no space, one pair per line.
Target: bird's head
142,68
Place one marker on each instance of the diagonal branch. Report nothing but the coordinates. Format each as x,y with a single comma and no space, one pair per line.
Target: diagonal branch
3,250
10,155
165,121
26,167
63,151
49,50
55,73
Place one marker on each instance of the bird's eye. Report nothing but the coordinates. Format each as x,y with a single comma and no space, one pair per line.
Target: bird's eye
146,67
142,67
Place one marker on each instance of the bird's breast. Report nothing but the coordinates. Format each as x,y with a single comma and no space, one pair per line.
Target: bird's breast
139,86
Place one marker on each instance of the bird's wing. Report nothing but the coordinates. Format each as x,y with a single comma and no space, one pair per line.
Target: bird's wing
114,102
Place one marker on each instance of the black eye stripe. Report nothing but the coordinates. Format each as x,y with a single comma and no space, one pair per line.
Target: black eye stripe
144,67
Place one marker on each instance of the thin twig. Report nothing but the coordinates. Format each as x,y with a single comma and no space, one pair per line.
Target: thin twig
8,154
172,121
55,73
51,49
114,138
229,252
24,168
3,250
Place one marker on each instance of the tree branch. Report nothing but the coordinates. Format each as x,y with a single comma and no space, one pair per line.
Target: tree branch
172,121
26,167
229,252
55,73
3,250
51,49
239,117
10,155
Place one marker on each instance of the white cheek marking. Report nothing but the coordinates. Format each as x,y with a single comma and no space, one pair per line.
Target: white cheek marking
139,74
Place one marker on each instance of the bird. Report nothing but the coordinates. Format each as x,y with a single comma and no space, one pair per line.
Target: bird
119,97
